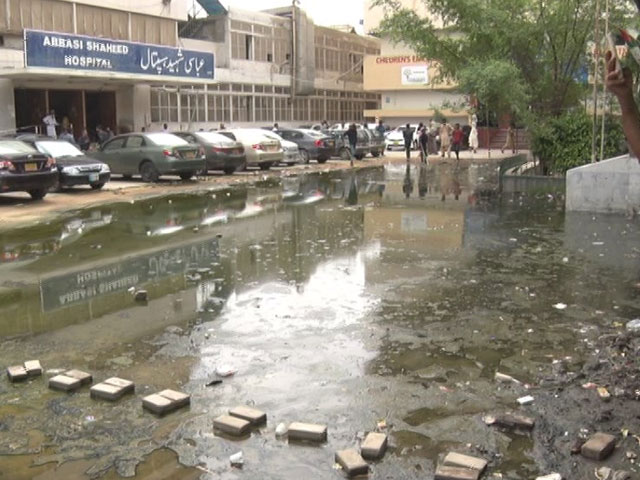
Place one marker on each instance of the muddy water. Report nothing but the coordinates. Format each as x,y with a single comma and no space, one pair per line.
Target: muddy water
345,299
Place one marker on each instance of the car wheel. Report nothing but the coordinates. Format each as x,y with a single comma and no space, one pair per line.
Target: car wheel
97,186
265,166
376,153
56,187
149,172
322,160
187,175
305,156
359,156
344,154
229,170
38,194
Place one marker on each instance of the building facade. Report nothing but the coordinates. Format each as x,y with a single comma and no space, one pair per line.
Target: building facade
120,64
406,82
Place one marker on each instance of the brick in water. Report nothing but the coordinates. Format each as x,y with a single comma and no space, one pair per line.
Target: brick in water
33,367
232,425
351,462
599,446
112,389
84,377
127,385
308,432
251,415
178,399
456,473
511,420
17,373
64,383
157,404
374,445
454,459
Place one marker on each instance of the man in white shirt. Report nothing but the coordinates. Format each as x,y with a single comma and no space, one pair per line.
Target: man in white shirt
51,123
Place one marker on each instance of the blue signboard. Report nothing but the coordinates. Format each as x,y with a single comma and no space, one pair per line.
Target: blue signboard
77,52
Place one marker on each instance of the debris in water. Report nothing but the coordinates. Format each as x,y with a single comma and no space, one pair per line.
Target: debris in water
213,383
527,400
225,371
633,326
281,430
237,460
560,306
501,377
604,394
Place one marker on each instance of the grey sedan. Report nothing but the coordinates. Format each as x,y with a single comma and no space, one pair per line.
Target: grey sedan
222,153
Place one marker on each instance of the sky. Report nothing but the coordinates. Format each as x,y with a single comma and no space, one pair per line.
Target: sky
323,12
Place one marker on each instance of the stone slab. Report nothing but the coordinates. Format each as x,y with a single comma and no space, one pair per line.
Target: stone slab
33,367
64,383
374,445
17,373
599,446
444,472
454,459
307,432
179,399
551,476
128,385
84,377
351,462
157,404
112,389
511,420
251,415
232,425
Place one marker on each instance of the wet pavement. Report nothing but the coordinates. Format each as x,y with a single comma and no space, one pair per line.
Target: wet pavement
386,296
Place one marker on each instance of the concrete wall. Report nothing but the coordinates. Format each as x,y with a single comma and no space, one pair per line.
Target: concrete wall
609,186
133,106
7,106
175,9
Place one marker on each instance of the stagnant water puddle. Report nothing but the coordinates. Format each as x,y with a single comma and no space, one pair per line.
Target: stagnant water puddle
342,298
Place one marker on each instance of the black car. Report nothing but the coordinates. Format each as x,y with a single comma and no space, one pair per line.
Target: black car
313,145
24,169
376,142
222,153
74,167
341,148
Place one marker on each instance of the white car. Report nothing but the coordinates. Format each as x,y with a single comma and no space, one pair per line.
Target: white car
291,150
394,140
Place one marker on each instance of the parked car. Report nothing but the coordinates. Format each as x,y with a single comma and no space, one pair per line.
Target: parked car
222,153
290,149
376,142
74,167
261,151
313,145
152,155
394,140
24,169
341,148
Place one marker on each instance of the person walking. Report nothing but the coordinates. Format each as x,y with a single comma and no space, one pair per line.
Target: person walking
352,136
445,138
423,141
275,128
473,138
380,127
510,142
456,140
407,133
51,123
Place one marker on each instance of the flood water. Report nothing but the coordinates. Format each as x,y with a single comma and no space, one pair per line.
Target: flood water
347,299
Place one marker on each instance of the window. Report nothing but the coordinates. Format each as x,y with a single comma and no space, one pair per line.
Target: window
114,144
248,39
164,106
135,142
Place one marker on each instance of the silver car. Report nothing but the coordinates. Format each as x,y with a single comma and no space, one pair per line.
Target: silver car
291,150
261,150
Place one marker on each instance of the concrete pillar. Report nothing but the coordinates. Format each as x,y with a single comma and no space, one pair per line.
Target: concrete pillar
133,107
7,107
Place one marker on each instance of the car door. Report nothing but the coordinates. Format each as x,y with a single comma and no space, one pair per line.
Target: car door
134,153
112,153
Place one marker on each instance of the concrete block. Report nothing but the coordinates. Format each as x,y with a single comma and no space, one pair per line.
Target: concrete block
84,377
551,476
232,425
374,445
112,389
64,383
456,473
33,367
178,399
454,459
251,415
511,420
351,462
17,373
599,446
157,404
308,432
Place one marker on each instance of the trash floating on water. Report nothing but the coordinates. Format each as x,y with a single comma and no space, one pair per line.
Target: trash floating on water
527,400
560,306
225,371
237,460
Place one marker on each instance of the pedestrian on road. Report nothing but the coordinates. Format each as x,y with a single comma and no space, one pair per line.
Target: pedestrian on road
51,123
407,133
221,127
457,138
445,138
423,141
352,137
380,127
165,128
275,127
110,133
510,142
473,138
432,133
620,83
84,142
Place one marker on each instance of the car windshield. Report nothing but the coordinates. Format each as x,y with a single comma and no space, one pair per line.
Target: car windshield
58,149
212,137
166,139
10,147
